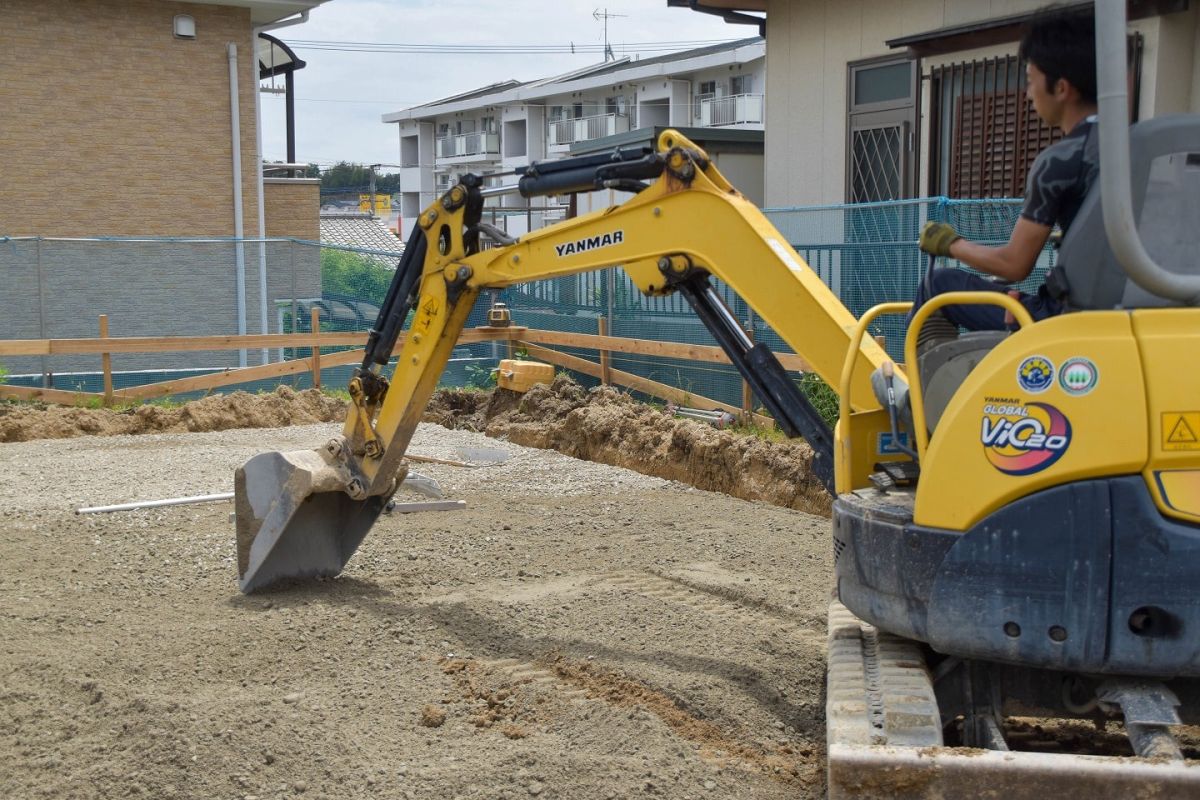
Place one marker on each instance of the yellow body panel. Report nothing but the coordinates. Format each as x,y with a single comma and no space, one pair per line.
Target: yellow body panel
1059,401
863,439
861,444
1170,340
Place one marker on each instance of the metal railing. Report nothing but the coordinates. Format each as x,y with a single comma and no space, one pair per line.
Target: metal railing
583,129
468,144
736,109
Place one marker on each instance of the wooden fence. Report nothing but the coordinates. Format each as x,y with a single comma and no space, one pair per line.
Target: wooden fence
538,343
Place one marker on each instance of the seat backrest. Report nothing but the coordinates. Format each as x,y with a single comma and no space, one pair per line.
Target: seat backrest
1165,171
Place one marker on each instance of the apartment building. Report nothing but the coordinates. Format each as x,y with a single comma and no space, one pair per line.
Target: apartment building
715,94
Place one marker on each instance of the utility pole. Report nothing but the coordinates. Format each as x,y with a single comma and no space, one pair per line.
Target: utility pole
604,15
373,167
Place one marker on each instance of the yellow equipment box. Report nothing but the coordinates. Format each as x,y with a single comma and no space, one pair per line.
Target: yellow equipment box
520,376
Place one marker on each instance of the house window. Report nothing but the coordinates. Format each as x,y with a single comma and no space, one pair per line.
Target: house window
558,113
443,130
741,84
708,88
881,130
984,134
488,124
577,111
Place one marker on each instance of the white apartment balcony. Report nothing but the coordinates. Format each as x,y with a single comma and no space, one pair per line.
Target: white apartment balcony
415,178
465,148
566,132
736,109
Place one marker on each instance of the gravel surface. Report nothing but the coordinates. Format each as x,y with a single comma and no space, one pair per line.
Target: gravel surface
579,631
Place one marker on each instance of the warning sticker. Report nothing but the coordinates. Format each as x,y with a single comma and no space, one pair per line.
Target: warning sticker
429,308
1181,430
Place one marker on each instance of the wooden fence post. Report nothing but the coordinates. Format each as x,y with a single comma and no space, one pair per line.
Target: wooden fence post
106,363
315,317
605,367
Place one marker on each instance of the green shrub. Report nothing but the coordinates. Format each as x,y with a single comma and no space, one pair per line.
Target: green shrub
823,398
354,275
480,377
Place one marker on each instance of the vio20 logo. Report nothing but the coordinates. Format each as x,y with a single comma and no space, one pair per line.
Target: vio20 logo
1024,438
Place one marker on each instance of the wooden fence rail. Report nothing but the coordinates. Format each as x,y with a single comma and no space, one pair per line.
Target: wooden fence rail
105,346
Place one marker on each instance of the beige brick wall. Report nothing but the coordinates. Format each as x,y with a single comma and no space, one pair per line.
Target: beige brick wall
110,125
293,208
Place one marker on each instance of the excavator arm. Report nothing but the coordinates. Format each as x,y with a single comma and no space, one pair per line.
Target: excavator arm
303,514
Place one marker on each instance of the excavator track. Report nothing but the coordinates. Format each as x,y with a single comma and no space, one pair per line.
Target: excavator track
884,737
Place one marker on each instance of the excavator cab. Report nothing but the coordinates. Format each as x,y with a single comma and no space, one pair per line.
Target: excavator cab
1048,559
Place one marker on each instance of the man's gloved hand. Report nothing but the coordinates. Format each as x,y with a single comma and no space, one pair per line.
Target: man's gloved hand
936,238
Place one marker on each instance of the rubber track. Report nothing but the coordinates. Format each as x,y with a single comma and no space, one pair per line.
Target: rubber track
878,689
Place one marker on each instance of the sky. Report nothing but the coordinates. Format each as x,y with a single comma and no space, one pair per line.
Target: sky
341,96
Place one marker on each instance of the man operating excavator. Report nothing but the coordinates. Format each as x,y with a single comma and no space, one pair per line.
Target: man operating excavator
1060,66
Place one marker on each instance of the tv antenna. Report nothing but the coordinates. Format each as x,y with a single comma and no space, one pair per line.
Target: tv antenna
606,16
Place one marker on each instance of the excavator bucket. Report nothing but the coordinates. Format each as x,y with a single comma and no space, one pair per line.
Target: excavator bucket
296,517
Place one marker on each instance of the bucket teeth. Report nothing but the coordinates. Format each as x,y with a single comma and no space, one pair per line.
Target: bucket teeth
295,519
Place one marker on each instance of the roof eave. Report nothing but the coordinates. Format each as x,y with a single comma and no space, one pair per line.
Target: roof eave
540,90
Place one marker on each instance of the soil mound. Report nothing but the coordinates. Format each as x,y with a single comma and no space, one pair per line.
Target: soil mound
609,427
285,406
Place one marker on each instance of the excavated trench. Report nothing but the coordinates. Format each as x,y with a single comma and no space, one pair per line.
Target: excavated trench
608,427
601,425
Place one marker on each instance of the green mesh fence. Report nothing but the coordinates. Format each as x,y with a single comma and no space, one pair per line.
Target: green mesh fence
867,254
55,288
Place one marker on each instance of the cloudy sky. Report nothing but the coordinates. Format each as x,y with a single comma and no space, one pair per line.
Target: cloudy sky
343,92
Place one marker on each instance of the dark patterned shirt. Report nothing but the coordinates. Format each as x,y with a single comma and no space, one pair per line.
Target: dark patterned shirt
1061,176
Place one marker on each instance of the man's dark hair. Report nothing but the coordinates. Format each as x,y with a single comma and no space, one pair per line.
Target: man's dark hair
1062,44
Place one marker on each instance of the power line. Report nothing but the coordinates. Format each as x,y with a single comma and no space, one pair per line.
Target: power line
500,49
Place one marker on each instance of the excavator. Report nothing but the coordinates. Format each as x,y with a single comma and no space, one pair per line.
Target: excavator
1016,523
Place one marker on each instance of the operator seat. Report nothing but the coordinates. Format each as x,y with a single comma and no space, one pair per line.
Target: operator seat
1165,170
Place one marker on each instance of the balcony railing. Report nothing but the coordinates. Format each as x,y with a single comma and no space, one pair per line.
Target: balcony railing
736,109
468,144
583,129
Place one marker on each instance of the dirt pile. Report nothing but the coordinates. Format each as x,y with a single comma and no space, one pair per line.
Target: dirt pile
21,422
608,427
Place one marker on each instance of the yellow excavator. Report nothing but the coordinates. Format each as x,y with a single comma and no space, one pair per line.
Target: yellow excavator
1017,516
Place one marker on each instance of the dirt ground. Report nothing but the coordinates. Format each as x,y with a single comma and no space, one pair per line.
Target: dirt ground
579,631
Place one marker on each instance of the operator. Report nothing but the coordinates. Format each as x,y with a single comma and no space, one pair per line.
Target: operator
1059,51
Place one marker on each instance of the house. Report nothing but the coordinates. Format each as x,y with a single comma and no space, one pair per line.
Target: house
878,100
714,94
360,231
138,118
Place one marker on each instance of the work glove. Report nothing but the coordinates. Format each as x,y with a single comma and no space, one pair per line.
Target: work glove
936,238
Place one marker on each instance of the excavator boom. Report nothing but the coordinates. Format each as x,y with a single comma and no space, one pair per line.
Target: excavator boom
303,514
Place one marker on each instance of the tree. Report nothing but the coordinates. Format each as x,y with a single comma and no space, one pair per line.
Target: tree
356,177
353,275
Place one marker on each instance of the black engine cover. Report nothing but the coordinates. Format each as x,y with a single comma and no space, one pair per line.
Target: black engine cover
1087,577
